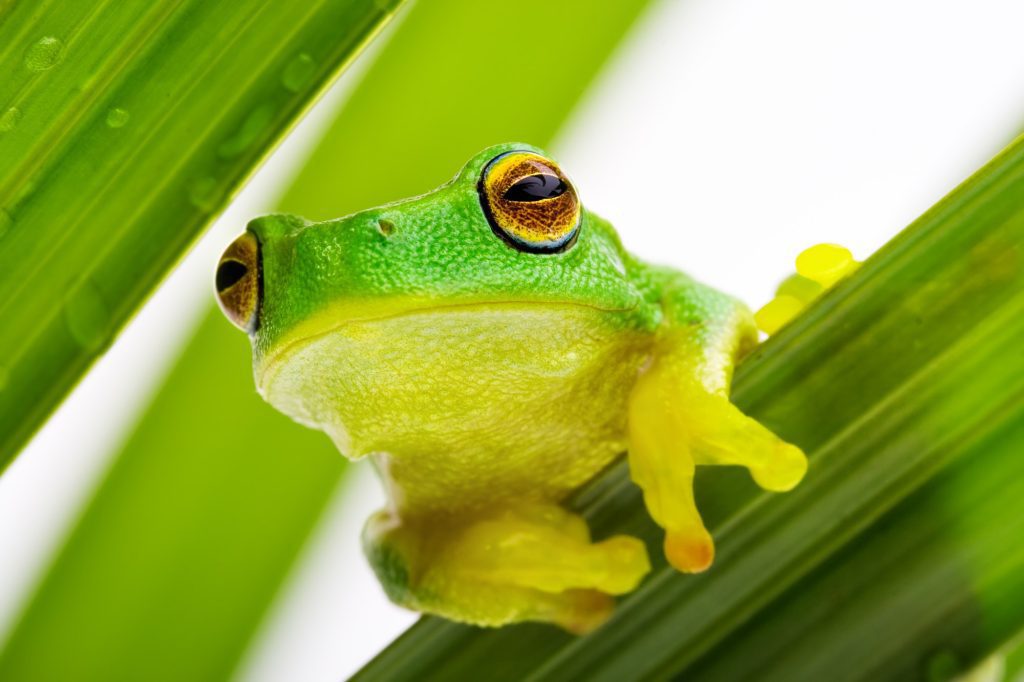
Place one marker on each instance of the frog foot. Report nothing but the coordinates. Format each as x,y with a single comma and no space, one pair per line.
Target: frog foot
674,425
534,562
817,270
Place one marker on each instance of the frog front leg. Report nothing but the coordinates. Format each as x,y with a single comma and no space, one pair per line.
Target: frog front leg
533,561
680,417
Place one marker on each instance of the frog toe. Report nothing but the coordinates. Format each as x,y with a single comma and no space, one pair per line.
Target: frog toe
690,550
583,611
726,436
627,564
782,470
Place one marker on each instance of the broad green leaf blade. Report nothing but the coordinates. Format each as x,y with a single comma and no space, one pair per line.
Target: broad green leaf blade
935,585
124,129
139,561
906,387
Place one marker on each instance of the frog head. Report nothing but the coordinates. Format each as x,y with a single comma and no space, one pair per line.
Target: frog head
507,232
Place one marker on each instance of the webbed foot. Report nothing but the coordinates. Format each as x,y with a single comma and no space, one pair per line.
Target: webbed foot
534,562
676,424
818,268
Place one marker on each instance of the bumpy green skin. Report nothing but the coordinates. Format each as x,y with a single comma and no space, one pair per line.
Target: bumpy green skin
442,251
486,383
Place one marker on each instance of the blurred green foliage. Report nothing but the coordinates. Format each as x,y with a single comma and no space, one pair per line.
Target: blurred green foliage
457,76
175,559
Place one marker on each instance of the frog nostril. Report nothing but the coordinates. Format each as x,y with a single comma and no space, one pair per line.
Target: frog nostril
385,227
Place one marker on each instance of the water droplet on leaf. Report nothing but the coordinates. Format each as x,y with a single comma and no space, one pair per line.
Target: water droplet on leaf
203,193
252,127
88,317
9,119
116,118
44,54
298,73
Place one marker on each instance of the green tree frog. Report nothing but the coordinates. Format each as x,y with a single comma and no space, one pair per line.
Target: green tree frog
490,346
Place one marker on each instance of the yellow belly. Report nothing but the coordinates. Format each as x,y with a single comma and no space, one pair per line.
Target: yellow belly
469,406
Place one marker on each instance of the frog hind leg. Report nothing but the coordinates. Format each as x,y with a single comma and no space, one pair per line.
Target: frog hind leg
533,562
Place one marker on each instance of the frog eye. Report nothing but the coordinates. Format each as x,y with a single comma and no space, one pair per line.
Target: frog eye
530,203
238,282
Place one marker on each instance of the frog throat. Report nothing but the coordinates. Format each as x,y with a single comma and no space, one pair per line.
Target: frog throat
336,318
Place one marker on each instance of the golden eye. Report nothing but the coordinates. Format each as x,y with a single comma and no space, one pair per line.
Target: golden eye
238,282
530,203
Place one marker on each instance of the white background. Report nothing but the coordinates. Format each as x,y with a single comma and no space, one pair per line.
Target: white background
726,136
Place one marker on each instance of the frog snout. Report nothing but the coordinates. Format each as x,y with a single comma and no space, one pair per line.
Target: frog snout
239,282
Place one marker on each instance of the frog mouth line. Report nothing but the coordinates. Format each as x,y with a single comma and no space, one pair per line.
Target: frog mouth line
273,360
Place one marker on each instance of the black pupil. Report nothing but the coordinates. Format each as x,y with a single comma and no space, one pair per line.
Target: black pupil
228,274
535,188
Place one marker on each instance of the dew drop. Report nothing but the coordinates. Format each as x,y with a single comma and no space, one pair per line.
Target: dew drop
203,193
9,119
88,317
44,54
252,127
298,73
117,118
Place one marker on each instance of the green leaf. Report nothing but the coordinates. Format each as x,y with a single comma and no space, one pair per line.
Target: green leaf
185,544
899,557
1013,669
125,127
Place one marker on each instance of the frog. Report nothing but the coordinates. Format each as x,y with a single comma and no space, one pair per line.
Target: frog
490,347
